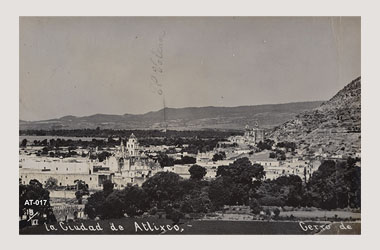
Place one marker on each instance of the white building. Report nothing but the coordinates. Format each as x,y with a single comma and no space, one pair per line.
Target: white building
181,170
57,165
130,165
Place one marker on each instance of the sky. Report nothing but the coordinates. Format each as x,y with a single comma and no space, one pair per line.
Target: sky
116,65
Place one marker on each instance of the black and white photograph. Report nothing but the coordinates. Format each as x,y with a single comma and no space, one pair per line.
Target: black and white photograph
189,125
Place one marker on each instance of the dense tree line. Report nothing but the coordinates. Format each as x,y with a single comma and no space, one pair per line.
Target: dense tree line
61,142
289,146
164,160
265,145
185,160
333,185
235,182
219,156
336,184
101,156
111,203
105,133
167,191
283,191
194,144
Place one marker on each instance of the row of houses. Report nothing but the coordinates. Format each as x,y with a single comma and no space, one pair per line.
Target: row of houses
128,164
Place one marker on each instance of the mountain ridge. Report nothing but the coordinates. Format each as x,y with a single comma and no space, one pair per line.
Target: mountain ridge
268,115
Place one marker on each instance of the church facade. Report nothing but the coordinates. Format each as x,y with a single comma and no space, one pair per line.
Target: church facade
130,165
253,135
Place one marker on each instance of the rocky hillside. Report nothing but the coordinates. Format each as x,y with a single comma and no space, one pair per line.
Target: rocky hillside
333,128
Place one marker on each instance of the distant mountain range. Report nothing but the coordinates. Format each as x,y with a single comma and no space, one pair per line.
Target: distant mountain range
194,118
334,127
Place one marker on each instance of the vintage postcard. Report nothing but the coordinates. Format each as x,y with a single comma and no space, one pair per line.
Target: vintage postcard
190,125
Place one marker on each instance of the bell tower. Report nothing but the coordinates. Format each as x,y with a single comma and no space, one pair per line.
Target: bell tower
133,145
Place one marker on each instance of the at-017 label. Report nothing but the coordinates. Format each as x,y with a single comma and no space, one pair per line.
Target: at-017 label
35,202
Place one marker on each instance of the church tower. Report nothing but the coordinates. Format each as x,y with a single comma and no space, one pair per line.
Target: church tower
133,145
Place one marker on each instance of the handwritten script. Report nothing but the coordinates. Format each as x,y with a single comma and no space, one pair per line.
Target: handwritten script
157,61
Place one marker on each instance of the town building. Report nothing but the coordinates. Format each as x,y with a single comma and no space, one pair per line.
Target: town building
252,136
127,165
130,165
94,181
181,170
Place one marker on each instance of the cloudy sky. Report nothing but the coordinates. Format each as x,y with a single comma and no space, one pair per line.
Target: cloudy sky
87,65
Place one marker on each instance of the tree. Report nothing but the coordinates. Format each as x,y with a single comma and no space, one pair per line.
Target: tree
265,145
78,196
242,171
81,185
107,187
220,192
163,186
281,156
42,211
188,160
276,212
291,189
289,146
95,203
185,160
82,189
196,197
103,155
165,160
240,178
23,143
334,185
45,151
114,205
44,142
175,215
285,190
51,183
136,201
219,156
131,201
255,206
197,172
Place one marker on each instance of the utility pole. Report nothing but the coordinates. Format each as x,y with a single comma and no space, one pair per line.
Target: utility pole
165,124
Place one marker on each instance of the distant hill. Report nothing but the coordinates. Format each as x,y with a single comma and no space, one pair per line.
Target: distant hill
268,116
334,127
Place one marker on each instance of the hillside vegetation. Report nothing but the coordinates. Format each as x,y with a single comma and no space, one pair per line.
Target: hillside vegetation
332,128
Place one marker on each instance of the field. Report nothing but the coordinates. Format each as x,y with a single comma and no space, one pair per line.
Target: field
164,226
322,214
